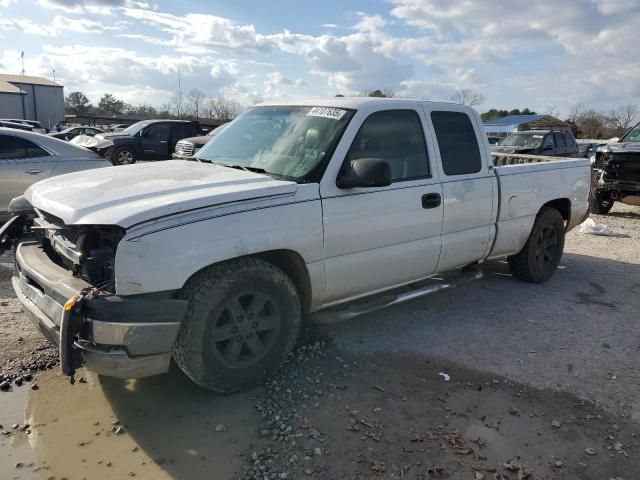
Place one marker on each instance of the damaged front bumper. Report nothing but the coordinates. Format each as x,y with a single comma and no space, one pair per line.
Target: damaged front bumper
111,335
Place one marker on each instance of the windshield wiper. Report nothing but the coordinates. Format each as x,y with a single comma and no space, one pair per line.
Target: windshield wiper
236,166
245,168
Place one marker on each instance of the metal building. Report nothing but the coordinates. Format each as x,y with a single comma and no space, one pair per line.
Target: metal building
503,126
31,98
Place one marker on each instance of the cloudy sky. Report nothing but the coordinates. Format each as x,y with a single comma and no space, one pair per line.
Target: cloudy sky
542,54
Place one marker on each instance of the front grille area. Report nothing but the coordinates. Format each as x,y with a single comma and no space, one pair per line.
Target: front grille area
184,148
88,251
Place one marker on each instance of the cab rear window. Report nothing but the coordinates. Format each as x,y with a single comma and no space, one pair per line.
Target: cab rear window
457,141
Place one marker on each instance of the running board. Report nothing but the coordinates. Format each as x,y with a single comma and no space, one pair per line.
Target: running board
395,297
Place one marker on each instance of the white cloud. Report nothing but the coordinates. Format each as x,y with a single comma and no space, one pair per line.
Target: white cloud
6,3
27,26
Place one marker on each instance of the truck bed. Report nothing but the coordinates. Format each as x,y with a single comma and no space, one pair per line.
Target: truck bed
525,182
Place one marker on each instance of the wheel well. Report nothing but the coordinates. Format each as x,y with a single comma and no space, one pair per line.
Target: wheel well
563,205
294,266
290,262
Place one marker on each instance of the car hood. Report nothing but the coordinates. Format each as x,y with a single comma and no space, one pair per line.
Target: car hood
197,141
133,194
93,143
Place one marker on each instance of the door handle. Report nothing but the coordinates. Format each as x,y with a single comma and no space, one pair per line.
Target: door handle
431,200
163,141
33,171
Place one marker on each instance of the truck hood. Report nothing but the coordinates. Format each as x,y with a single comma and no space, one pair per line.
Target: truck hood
132,194
520,150
627,147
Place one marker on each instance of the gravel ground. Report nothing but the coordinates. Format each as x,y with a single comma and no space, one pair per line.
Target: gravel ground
577,332
494,380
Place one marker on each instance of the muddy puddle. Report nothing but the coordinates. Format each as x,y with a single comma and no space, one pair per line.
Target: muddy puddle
168,429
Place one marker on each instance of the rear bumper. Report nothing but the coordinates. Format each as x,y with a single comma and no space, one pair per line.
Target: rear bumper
125,337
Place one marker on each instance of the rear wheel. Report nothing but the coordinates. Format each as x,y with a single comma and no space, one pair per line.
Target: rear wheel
123,156
243,319
601,202
540,257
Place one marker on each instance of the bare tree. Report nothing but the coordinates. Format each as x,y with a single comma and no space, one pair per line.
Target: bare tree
223,108
574,114
176,104
468,97
623,117
552,111
196,96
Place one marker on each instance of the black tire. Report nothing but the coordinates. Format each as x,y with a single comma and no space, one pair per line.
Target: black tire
123,156
601,202
219,343
540,257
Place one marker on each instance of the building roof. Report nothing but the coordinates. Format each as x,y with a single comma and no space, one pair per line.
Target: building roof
6,87
9,83
513,120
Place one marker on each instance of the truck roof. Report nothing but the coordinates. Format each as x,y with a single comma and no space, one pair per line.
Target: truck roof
348,102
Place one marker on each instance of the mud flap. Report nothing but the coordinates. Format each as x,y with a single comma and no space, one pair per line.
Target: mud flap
70,325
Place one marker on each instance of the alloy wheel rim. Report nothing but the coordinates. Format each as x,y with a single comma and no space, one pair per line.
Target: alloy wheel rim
546,246
246,329
125,158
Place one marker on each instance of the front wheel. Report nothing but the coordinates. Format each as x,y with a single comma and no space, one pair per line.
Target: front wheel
541,255
601,202
243,320
123,156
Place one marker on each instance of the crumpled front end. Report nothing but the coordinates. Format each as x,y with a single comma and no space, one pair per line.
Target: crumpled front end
64,277
618,171
102,146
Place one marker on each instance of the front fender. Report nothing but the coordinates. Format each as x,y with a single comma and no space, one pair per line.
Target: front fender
165,258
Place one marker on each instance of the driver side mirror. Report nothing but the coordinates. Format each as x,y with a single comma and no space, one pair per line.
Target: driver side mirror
365,172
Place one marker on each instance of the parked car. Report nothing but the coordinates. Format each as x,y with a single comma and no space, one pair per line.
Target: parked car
16,125
493,140
26,158
145,140
72,132
292,210
587,149
35,125
617,173
554,143
117,127
188,147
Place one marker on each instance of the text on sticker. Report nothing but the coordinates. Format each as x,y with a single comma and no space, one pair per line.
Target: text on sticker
327,112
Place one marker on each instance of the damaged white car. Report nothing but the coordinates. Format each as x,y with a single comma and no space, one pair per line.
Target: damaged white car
314,210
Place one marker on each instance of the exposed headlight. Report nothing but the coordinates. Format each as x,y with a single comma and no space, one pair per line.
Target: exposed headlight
20,206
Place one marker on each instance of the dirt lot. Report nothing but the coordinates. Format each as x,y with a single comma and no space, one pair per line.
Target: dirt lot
543,383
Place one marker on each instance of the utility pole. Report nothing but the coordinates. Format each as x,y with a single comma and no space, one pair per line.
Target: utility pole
179,96
54,75
22,61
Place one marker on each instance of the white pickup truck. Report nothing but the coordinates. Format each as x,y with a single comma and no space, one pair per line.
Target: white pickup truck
296,211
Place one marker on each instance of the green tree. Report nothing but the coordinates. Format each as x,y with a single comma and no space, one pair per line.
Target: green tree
110,104
142,111
76,103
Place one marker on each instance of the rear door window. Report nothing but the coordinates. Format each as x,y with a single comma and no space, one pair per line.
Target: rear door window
14,147
559,140
178,131
569,140
458,143
158,132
